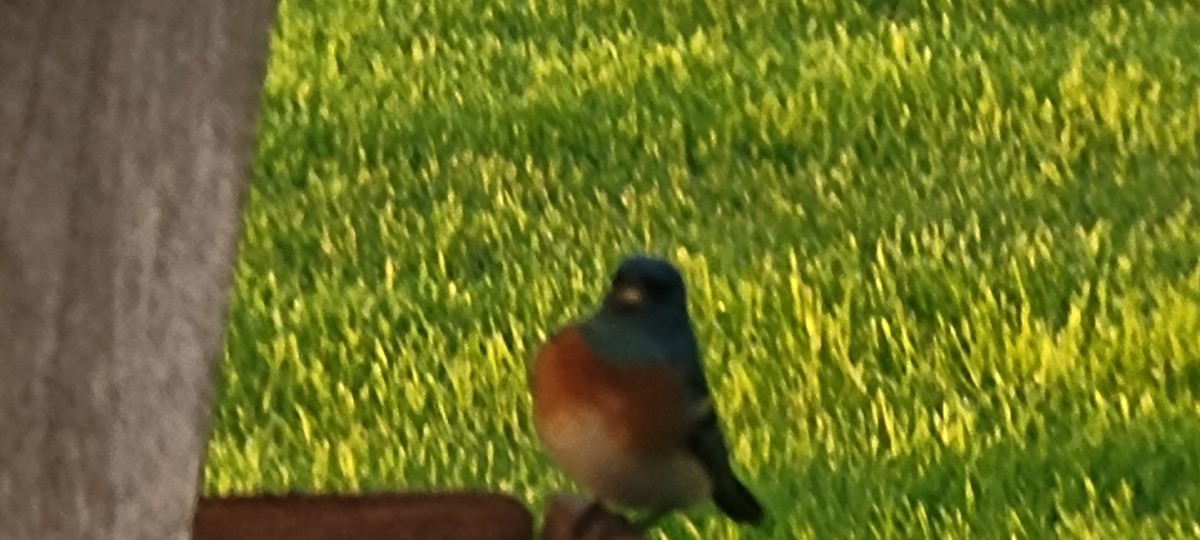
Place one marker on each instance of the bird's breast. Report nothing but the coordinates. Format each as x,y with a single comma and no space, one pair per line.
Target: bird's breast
617,428
640,406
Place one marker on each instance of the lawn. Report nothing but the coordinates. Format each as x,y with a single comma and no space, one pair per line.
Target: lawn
944,260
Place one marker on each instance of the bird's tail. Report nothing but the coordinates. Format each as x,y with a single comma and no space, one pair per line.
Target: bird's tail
729,494
736,501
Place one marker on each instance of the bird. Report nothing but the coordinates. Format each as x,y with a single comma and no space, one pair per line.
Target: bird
622,406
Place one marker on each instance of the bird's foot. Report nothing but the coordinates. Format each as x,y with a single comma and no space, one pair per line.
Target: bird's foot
586,517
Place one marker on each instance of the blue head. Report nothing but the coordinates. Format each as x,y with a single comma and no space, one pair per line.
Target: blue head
644,314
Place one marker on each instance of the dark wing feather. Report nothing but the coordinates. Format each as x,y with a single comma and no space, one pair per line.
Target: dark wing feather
707,443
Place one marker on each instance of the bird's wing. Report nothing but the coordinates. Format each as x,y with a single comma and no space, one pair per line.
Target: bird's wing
706,441
685,357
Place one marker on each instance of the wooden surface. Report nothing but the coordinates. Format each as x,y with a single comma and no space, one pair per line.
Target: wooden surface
408,516
401,516
125,136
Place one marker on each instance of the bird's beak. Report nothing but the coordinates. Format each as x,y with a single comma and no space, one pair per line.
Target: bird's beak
628,296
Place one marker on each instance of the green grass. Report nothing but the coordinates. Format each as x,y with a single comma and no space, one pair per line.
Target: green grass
944,260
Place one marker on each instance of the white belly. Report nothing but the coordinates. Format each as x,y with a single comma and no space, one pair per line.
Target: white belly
582,446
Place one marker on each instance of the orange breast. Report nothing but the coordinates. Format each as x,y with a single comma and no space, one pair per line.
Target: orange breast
643,405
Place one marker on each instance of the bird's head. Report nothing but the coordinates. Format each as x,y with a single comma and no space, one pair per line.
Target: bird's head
646,303
646,289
